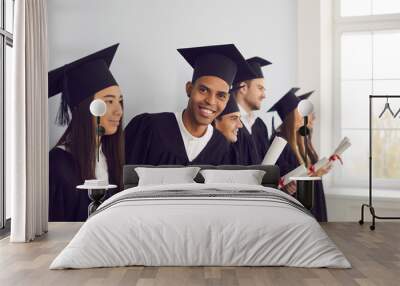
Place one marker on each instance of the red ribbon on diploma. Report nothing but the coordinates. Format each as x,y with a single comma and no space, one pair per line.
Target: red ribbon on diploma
312,169
281,183
335,157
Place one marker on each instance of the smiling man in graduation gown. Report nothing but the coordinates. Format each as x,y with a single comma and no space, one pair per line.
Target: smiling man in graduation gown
229,124
187,137
249,92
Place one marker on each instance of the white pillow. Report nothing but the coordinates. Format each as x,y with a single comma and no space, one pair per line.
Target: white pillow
248,177
163,176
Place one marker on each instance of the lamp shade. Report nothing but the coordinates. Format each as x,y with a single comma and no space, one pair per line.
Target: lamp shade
98,107
305,107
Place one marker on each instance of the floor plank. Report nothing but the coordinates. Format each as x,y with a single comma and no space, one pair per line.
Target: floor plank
375,257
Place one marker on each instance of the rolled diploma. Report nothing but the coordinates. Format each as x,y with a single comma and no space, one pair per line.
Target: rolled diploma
300,171
342,147
345,142
274,151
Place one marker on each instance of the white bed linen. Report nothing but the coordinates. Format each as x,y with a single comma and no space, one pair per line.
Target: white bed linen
200,231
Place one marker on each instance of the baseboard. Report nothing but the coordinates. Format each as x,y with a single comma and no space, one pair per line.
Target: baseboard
342,208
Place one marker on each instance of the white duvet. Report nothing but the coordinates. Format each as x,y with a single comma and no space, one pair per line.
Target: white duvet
185,231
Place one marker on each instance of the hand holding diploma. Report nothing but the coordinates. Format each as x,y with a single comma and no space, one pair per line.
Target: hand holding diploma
300,171
321,171
290,188
324,165
343,146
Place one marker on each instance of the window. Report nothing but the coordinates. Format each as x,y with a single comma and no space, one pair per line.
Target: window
6,43
367,60
369,7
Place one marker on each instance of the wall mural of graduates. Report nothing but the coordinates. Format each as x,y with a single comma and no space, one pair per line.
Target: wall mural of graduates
217,127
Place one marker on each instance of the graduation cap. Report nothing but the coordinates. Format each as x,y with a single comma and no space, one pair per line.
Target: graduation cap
223,61
286,104
81,79
255,63
306,95
231,106
294,90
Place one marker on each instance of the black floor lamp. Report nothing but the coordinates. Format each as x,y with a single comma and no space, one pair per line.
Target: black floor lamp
98,108
305,187
305,107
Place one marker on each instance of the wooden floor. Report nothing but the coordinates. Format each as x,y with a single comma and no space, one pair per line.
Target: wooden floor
375,256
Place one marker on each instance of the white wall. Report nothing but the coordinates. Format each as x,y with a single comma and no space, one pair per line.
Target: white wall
147,66
314,64
309,54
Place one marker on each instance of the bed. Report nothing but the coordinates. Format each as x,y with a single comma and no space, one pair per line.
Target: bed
198,224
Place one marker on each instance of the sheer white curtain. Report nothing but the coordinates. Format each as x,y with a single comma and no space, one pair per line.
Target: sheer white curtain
26,123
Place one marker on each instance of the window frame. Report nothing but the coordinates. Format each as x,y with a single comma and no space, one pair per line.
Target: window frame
338,18
342,25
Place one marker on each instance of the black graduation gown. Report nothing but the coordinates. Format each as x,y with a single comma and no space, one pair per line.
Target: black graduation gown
259,133
244,150
287,161
65,202
155,139
319,208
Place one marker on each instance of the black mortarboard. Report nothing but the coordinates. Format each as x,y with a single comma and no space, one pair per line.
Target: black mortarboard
294,90
231,106
81,79
286,104
255,63
222,61
306,95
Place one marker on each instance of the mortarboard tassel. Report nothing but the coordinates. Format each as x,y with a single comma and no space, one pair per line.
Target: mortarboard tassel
273,127
63,114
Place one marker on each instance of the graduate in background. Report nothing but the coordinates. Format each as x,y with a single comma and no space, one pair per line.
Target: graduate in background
319,207
229,124
187,137
292,90
290,158
73,159
291,122
249,92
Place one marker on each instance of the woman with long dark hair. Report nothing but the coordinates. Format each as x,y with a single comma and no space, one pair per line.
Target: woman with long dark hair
73,159
319,207
291,121
292,155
